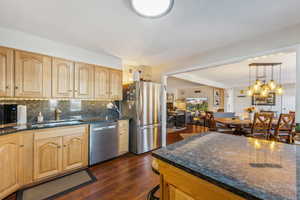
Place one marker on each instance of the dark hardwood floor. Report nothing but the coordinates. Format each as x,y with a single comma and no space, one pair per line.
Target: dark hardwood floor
128,177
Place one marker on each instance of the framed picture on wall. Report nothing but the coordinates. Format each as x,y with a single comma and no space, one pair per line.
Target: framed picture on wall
217,97
270,100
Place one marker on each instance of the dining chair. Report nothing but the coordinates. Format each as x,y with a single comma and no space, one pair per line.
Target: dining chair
214,126
284,128
262,124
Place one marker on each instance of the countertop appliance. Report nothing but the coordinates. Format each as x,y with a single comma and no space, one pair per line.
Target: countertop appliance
103,142
22,114
8,114
142,104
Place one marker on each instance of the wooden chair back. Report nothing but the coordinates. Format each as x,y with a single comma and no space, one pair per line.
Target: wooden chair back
262,124
285,124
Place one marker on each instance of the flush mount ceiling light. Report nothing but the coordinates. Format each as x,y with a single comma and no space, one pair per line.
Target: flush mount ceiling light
152,8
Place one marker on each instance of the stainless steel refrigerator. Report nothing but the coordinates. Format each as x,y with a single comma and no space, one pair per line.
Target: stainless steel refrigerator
142,103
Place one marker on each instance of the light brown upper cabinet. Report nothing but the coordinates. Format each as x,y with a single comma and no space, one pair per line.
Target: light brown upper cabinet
84,81
101,83
62,78
32,75
116,85
6,72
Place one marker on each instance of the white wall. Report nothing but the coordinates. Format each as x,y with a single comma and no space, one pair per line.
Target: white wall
173,84
229,100
284,103
29,42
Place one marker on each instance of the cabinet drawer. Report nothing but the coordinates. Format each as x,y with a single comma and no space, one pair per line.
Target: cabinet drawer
61,131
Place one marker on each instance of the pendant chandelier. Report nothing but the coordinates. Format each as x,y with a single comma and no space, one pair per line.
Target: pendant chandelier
264,81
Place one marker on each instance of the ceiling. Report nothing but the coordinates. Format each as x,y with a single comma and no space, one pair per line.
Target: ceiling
237,74
192,27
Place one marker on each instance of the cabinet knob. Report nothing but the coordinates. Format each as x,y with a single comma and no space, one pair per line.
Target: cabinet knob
7,87
65,145
16,87
58,147
21,145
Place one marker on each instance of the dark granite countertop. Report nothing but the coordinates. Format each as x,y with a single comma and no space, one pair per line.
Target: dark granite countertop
251,168
53,124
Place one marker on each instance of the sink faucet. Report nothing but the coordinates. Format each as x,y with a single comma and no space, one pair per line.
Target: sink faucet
57,113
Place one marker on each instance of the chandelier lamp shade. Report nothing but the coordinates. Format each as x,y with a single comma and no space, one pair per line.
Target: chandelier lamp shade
265,78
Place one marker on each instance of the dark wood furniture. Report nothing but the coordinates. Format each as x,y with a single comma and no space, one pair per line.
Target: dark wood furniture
213,125
262,125
284,128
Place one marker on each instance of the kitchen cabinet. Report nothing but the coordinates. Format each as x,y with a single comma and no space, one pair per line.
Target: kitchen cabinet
10,164
84,81
123,130
6,72
62,78
101,83
176,194
116,85
59,149
32,75
47,157
74,151
177,184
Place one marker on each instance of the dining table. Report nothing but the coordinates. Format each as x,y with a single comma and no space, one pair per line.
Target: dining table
239,124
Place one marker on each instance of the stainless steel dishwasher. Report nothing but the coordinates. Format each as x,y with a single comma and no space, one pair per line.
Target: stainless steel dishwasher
103,142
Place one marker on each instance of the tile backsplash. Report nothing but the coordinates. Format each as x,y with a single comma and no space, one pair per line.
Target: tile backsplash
69,108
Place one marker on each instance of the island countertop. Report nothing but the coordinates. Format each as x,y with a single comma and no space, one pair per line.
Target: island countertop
251,168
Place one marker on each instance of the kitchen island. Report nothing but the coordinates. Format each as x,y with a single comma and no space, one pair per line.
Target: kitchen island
220,166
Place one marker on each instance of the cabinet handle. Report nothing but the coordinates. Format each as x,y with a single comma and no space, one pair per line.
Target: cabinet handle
7,87
70,90
21,145
65,145
16,87
58,147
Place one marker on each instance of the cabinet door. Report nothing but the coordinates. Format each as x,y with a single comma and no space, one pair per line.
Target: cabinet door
101,83
32,75
176,194
9,165
74,151
62,78
84,81
47,157
123,129
6,72
116,85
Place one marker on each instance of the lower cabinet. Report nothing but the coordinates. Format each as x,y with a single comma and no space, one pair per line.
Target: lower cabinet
176,194
10,169
177,184
74,151
58,150
31,156
47,157
123,129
